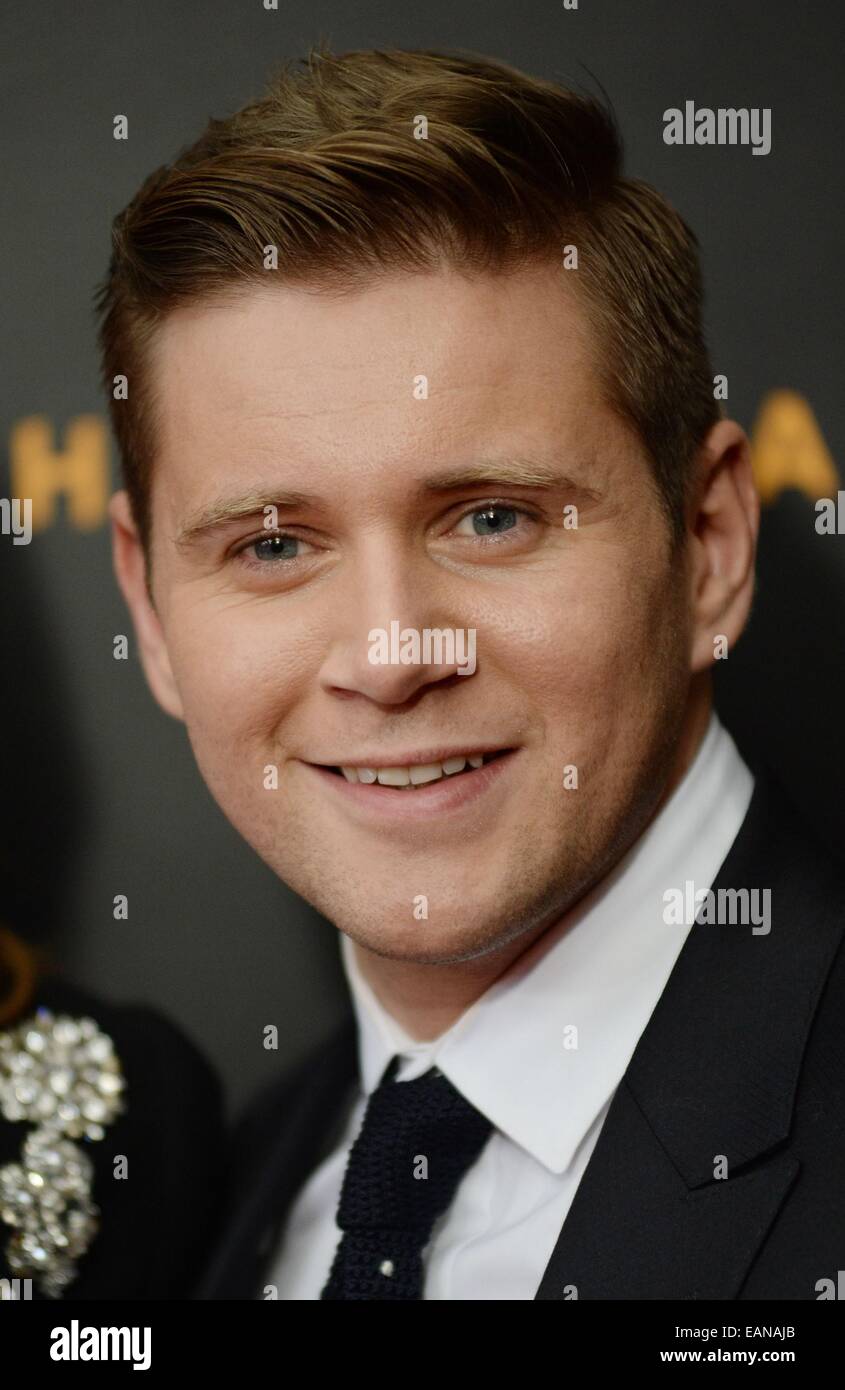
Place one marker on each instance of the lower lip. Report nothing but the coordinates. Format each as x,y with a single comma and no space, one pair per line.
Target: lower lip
430,801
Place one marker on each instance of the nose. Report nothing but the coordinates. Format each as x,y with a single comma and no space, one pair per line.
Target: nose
394,632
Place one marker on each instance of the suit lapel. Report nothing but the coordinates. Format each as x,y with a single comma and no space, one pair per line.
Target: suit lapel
713,1074
636,1231
284,1141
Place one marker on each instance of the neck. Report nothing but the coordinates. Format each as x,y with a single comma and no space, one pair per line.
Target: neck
427,999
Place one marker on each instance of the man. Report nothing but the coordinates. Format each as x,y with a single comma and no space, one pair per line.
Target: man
432,532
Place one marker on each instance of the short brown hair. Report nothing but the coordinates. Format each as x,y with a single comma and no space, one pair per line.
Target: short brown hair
326,168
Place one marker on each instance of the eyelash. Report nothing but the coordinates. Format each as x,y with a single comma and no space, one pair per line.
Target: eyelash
252,562
496,505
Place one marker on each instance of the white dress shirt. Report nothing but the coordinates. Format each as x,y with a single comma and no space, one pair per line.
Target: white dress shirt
600,971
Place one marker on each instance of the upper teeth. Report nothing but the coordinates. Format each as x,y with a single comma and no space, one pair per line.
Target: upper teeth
411,776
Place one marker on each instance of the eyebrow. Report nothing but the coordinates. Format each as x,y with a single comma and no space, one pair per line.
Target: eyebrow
227,510
512,472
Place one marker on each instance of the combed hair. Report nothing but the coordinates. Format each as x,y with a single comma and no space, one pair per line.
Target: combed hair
327,168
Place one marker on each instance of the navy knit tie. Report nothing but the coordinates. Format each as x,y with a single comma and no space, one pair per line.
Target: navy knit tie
417,1141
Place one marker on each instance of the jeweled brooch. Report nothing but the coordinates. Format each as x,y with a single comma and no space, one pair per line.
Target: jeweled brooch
62,1075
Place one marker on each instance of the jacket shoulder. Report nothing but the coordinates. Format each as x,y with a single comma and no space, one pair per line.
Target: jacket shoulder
331,1063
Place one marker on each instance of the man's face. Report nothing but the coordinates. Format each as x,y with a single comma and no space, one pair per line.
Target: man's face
424,442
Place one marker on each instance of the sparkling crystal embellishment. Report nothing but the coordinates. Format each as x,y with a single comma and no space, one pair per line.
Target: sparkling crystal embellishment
60,1074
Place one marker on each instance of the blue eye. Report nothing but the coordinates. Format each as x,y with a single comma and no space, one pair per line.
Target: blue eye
491,520
276,547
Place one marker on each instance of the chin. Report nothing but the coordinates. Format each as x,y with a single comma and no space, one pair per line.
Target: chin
432,942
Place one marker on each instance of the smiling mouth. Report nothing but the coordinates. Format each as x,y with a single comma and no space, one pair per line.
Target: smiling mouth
410,777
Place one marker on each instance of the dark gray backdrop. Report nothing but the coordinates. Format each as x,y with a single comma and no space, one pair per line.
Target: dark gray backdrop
100,795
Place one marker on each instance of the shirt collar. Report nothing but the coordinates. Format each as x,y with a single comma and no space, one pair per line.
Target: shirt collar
601,971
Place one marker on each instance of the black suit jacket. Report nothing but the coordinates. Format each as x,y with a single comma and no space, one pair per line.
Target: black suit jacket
157,1223
744,1056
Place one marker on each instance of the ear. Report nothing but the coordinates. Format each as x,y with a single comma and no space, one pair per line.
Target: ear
130,567
724,526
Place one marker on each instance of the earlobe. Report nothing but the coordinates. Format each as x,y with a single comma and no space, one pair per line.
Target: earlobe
130,569
724,544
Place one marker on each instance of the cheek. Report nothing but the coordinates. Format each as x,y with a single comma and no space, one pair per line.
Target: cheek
239,667
594,653
585,626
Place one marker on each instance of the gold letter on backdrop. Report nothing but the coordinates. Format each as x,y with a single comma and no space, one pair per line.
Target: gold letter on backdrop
788,449
80,471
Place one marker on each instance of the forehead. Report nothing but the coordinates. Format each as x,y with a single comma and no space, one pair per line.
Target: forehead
417,368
